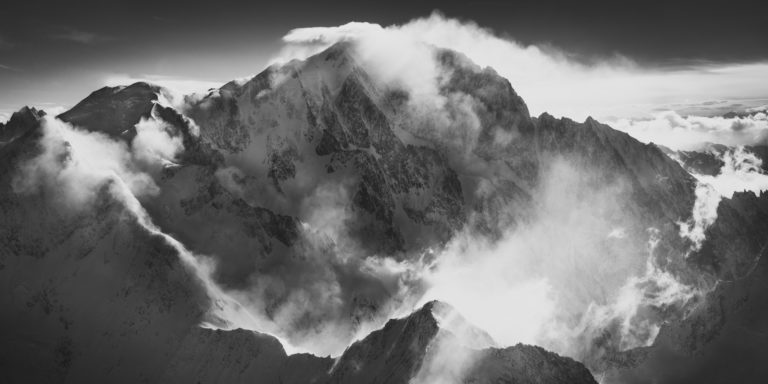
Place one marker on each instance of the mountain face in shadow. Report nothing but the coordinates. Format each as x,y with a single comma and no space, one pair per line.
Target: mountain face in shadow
295,185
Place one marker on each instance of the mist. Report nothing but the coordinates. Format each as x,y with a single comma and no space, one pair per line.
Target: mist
582,267
741,171
79,164
78,161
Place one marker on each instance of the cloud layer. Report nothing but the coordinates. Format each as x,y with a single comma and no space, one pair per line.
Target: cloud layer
550,80
693,132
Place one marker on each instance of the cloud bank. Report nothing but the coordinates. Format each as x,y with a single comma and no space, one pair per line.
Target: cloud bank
693,132
550,80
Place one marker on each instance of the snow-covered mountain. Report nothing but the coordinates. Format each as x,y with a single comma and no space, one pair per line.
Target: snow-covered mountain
308,204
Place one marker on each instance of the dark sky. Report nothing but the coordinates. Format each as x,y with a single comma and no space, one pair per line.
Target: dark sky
55,54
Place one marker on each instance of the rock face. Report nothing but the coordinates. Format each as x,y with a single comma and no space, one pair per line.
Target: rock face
721,339
525,364
299,183
109,301
706,162
114,110
392,354
405,348
405,184
91,296
661,188
724,338
19,123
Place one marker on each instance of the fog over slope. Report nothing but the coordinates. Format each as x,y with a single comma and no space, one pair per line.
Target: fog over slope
323,197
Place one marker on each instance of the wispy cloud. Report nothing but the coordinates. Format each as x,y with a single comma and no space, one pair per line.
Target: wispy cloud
82,37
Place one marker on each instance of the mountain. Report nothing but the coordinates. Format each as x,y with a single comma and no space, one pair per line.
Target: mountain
721,339
18,123
114,110
408,347
300,188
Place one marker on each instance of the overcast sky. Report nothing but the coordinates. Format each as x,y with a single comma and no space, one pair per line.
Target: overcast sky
53,55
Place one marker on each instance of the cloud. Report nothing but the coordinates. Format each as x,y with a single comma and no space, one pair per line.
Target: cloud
79,164
453,350
704,214
670,129
155,143
758,108
326,291
178,86
741,171
328,35
601,277
76,163
225,312
413,68
633,318
547,78
81,37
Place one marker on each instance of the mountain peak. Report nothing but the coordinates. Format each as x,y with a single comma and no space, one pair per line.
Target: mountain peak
20,122
340,49
114,110
450,320
413,348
